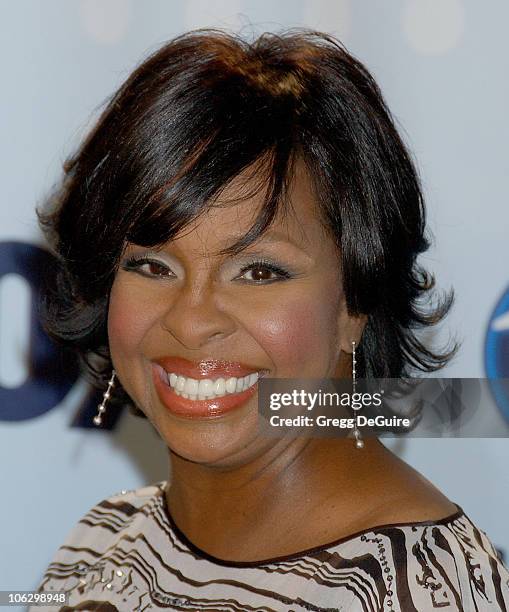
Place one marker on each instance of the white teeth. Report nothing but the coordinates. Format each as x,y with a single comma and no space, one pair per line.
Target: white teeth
220,386
191,386
193,389
205,388
231,385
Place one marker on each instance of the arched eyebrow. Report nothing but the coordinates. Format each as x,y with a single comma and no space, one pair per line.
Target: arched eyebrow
272,236
275,236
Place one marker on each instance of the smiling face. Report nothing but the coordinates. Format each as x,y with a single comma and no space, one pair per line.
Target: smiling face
277,307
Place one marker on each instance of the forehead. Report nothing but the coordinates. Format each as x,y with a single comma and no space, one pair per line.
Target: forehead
238,204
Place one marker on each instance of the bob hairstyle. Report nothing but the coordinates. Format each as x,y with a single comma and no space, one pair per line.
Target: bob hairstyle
190,118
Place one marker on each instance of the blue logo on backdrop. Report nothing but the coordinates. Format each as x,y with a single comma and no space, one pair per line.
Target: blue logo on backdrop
496,352
51,373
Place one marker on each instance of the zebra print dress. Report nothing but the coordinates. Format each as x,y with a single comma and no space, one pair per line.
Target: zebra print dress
127,554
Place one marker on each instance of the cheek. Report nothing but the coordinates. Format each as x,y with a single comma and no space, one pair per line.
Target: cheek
299,337
128,321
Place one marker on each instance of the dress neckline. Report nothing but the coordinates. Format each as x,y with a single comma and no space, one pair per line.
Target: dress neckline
181,536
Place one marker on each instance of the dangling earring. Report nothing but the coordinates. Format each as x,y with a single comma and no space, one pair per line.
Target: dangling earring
101,408
359,442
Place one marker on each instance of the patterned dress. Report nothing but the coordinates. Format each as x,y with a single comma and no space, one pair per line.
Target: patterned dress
128,554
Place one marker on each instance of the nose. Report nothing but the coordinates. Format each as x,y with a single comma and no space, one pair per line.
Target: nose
195,317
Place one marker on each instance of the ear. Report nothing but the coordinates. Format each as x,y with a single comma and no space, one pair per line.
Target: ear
350,330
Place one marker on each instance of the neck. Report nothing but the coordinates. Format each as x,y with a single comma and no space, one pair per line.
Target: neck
233,511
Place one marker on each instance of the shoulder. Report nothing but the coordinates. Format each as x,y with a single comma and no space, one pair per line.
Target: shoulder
448,562
104,524
454,562
115,512
128,502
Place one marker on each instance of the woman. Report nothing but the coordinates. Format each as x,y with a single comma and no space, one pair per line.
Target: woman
245,210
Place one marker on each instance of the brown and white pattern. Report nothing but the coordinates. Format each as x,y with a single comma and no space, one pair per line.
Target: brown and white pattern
127,554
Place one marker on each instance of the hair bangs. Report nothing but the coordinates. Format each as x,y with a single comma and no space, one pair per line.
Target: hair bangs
197,185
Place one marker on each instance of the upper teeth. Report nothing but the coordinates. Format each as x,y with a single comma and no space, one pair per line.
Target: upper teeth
206,388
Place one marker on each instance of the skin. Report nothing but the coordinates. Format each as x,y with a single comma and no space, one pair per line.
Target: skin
235,494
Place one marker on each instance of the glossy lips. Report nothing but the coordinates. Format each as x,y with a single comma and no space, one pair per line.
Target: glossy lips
193,377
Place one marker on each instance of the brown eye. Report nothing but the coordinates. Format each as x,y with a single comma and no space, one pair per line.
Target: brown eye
156,269
148,267
260,272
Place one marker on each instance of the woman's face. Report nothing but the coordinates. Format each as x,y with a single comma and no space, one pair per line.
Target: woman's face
285,317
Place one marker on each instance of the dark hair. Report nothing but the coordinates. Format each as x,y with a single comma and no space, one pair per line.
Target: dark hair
204,107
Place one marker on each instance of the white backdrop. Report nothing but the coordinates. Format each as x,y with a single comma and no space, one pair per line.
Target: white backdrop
442,65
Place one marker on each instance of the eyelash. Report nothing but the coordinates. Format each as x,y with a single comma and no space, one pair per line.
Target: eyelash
134,263
263,263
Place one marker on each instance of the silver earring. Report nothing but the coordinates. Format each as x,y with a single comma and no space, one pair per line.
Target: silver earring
101,408
359,442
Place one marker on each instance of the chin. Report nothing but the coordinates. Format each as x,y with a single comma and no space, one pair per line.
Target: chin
218,442
212,457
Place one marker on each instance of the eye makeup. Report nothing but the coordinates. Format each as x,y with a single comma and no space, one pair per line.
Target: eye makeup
134,263
260,263
159,269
